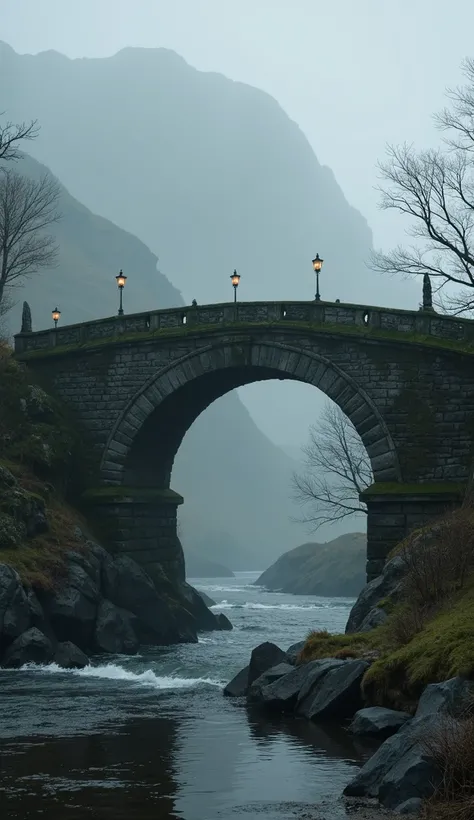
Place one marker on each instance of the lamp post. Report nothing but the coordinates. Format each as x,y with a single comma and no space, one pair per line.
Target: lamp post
56,315
235,277
121,279
317,265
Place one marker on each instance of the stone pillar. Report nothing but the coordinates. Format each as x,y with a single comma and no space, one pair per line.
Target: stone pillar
396,510
139,522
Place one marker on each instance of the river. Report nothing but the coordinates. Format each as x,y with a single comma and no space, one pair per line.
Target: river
151,736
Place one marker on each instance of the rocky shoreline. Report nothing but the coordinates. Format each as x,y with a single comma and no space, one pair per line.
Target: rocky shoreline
103,605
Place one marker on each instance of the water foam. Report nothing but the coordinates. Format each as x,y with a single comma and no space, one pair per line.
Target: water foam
252,605
111,671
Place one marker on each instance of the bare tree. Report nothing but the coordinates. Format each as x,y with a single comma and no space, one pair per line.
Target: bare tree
337,470
27,209
435,189
13,133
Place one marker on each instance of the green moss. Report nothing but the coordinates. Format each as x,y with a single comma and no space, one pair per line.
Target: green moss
431,488
100,495
443,649
283,326
323,644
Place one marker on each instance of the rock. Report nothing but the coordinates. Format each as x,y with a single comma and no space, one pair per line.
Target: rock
386,585
15,617
291,654
206,621
263,657
411,806
38,405
224,623
400,769
90,562
378,722
282,693
375,618
72,609
254,694
337,693
7,479
237,687
114,631
30,647
161,615
206,598
451,697
316,670
69,656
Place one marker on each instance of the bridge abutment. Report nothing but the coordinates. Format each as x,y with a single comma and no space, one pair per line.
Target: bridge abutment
395,511
140,522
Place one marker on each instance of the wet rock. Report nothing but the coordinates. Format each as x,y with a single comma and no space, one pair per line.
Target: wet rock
451,697
224,623
30,647
316,671
375,618
336,694
114,631
237,687
263,657
293,651
69,656
161,616
254,694
282,693
206,620
387,585
378,722
15,617
90,562
414,775
206,598
411,806
72,609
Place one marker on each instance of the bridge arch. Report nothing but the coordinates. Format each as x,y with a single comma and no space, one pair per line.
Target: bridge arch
146,437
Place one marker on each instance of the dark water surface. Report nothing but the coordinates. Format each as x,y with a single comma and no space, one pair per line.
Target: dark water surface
153,737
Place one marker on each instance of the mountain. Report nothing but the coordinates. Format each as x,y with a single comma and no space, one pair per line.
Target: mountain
199,567
210,173
237,509
336,568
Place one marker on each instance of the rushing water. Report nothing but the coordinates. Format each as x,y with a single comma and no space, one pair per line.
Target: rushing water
151,736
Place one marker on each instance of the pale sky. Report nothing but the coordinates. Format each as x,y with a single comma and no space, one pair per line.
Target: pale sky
353,75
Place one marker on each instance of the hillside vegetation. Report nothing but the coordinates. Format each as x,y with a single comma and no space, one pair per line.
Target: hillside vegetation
427,636
334,568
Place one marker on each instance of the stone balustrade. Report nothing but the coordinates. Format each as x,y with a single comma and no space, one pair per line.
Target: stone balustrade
425,323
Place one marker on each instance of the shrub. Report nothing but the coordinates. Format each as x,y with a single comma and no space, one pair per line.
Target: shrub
451,746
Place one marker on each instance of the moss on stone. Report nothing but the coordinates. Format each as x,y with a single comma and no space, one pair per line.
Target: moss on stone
98,495
430,488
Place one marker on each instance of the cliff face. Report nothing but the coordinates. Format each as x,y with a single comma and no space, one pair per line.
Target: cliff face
332,569
210,173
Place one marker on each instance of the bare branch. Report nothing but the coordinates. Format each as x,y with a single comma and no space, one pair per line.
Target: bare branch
337,470
27,209
12,134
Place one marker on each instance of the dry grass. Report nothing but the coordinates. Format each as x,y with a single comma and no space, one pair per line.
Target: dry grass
451,746
322,644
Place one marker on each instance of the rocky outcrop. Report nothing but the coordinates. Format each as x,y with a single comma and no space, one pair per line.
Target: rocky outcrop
375,721
22,514
334,694
366,614
278,688
103,604
402,769
293,652
237,687
224,622
255,691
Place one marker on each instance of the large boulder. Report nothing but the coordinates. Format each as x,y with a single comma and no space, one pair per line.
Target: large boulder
386,585
282,692
402,769
161,617
376,721
31,647
206,621
237,687
15,615
337,693
263,657
316,671
69,656
114,630
72,609
254,694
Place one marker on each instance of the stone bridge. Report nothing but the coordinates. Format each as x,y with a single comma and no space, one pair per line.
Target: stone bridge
136,383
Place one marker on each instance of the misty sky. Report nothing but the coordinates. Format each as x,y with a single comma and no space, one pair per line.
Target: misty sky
353,75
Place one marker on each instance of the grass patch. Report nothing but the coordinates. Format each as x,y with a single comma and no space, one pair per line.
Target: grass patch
322,644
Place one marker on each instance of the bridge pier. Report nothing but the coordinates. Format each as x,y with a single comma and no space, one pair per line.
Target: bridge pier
394,511
139,522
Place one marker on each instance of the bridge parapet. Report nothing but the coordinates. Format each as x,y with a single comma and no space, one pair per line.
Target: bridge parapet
426,323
